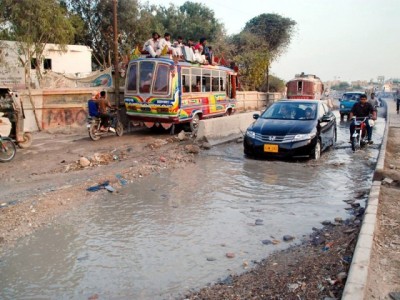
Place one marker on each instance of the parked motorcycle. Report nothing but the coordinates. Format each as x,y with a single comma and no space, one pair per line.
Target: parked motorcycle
114,126
360,137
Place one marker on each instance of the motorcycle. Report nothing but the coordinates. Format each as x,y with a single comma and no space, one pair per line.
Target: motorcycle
114,126
7,149
360,137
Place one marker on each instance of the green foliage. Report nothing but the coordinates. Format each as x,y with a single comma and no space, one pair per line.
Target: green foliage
262,40
276,85
274,29
190,20
252,57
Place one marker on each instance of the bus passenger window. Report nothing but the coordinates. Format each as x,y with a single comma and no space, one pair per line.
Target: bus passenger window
185,83
162,79
222,84
215,86
132,78
206,84
146,76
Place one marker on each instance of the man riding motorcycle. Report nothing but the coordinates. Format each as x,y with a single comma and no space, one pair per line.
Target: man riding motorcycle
363,109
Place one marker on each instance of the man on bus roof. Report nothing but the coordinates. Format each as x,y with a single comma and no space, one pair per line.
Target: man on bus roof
153,45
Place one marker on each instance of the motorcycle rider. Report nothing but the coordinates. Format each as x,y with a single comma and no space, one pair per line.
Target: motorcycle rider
104,105
363,109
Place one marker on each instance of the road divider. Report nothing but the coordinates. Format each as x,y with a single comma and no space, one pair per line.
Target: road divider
221,130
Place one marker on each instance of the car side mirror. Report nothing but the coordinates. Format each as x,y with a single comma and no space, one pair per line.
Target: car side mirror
326,118
256,116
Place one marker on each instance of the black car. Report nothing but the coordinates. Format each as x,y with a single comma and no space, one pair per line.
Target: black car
291,128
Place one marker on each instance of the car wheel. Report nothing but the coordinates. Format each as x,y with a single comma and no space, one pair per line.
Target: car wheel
316,153
334,140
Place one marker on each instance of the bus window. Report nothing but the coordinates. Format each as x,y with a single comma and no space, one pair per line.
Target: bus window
162,79
185,80
206,82
132,78
222,82
228,86
215,81
146,76
195,80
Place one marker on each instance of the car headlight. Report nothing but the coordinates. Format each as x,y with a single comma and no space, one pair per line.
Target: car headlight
303,137
342,106
251,134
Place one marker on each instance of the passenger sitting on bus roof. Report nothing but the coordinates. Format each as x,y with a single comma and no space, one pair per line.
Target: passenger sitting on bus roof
211,56
153,45
190,43
198,57
177,45
166,42
205,51
188,51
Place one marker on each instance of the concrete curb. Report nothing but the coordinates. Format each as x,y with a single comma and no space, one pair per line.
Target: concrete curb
221,130
356,284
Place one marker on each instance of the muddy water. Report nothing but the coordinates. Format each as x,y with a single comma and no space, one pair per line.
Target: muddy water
170,232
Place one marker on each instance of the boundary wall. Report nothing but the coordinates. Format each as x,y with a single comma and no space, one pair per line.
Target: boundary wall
63,109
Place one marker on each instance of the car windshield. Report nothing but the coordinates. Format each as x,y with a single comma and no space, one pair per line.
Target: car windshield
351,97
291,110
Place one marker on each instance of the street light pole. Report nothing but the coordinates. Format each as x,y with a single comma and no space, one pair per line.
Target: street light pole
116,71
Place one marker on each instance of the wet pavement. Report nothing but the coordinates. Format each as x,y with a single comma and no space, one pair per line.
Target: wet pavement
170,232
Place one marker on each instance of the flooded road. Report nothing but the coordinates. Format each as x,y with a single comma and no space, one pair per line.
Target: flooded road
170,232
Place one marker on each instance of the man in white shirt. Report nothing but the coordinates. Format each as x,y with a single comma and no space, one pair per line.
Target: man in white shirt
166,42
153,45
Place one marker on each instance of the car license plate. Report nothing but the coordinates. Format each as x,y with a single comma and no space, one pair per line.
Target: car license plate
88,125
271,148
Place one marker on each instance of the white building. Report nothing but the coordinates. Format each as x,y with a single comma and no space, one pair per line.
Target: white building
76,61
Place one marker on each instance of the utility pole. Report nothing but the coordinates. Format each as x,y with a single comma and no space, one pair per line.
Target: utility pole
116,70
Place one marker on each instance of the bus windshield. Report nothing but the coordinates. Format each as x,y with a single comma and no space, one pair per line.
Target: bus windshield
146,72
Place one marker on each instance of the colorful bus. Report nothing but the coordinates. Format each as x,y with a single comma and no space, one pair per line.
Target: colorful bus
305,86
165,92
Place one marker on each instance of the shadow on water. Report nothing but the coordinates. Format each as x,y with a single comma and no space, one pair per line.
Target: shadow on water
170,232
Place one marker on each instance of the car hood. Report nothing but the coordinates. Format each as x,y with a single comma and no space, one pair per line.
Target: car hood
283,127
348,103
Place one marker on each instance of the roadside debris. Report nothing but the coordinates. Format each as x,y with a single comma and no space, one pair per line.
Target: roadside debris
98,187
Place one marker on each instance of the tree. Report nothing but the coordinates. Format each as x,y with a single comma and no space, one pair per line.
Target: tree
276,85
190,20
275,30
252,57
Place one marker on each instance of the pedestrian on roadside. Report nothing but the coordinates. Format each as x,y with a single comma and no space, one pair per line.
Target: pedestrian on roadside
397,101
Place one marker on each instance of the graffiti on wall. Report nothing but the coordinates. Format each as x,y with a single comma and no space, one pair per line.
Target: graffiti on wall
59,117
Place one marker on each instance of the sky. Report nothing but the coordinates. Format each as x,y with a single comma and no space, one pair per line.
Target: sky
345,40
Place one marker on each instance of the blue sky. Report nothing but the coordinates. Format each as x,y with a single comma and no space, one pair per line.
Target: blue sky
335,39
